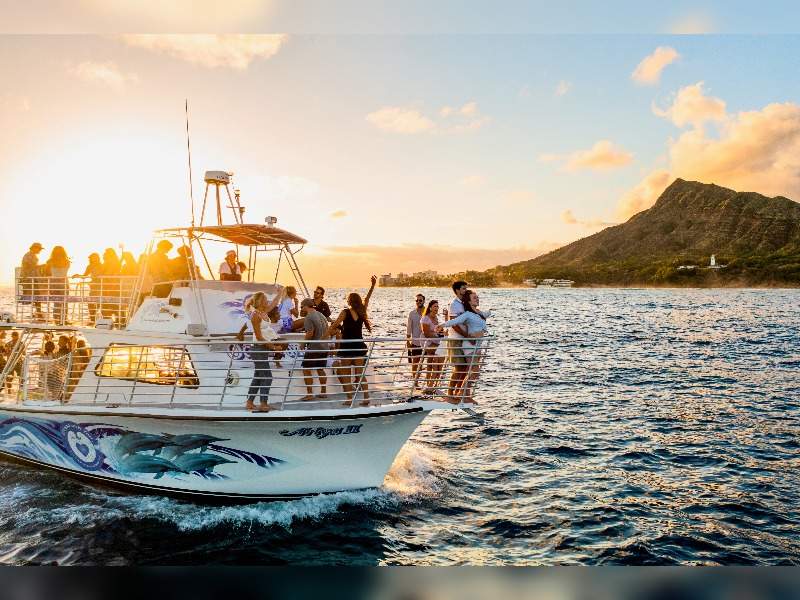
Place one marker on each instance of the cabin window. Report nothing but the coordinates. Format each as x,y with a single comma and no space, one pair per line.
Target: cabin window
162,365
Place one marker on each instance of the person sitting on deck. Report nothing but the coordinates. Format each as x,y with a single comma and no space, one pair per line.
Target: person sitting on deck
289,310
230,269
315,355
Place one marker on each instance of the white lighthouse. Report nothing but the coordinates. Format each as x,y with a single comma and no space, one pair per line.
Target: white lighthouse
713,262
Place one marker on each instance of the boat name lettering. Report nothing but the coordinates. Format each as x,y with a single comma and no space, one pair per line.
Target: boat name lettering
321,432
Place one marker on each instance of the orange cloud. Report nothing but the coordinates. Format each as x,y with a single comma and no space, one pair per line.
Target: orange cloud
644,194
234,51
756,151
602,156
396,119
338,214
569,218
692,107
648,72
106,73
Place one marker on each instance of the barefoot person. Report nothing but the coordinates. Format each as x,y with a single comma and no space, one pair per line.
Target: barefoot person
315,356
257,307
414,334
455,351
473,320
434,352
352,349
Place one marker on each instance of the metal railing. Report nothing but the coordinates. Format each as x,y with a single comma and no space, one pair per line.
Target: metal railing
287,373
74,300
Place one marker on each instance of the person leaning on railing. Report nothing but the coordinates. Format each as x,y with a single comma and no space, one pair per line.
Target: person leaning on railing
256,309
474,320
94,271
29,273
56,270
434,351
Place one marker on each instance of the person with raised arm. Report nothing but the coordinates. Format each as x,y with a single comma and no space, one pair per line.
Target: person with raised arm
352,349
257,308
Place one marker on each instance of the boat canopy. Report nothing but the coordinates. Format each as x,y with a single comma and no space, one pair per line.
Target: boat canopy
240,234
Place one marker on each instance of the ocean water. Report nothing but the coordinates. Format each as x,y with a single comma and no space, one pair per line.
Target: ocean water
623,427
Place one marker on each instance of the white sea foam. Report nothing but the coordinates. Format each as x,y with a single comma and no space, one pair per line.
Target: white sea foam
411,477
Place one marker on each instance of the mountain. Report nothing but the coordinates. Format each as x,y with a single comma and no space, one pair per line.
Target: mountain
757,237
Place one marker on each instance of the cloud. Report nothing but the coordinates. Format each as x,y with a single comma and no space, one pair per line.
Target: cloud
602,156
569,218
692,107
354,264
338,214
397,119
517,197
12,103
473,180
106,73
749,151
644,194
756,151
692,24
233,51
648,72
562,88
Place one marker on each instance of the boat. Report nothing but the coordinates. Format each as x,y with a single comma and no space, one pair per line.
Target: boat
149,393
556,283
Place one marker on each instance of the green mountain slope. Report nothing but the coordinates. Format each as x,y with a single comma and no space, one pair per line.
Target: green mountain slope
756,236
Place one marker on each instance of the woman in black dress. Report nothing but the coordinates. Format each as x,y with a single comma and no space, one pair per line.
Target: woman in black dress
352,349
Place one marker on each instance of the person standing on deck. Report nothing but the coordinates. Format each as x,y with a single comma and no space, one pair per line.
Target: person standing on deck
29,271
414,334
455,350
257,307
315,355
320,304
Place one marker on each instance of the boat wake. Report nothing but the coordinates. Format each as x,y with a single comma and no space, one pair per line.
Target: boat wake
412,477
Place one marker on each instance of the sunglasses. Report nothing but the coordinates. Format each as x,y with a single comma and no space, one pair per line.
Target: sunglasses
420,300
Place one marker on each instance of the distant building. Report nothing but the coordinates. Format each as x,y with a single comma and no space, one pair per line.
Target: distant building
385,280
687,267
712,264
426,275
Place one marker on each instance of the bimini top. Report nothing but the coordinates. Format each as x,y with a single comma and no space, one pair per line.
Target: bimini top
240,234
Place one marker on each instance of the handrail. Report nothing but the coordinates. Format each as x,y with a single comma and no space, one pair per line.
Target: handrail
218,374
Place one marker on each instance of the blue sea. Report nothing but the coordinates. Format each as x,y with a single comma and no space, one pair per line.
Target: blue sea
623,426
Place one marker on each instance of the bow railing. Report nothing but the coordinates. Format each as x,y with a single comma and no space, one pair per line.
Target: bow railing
286,373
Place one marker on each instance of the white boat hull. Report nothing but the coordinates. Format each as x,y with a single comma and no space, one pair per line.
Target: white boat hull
237,456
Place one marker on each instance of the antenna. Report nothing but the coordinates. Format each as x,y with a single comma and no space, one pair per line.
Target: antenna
189,152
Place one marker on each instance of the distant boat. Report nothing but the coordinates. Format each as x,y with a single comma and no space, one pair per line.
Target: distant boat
557,283
529,283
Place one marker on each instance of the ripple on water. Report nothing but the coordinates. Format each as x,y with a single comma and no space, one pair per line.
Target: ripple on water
623,427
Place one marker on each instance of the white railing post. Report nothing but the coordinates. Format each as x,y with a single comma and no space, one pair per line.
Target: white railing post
363,373
288,382
227,377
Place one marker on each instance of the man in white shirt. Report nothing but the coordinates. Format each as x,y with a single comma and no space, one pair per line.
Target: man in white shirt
230,269
455,347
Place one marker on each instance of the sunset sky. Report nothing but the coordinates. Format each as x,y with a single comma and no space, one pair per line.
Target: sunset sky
390,153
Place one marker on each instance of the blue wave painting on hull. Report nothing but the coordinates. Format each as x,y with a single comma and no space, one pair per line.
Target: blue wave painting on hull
102,448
